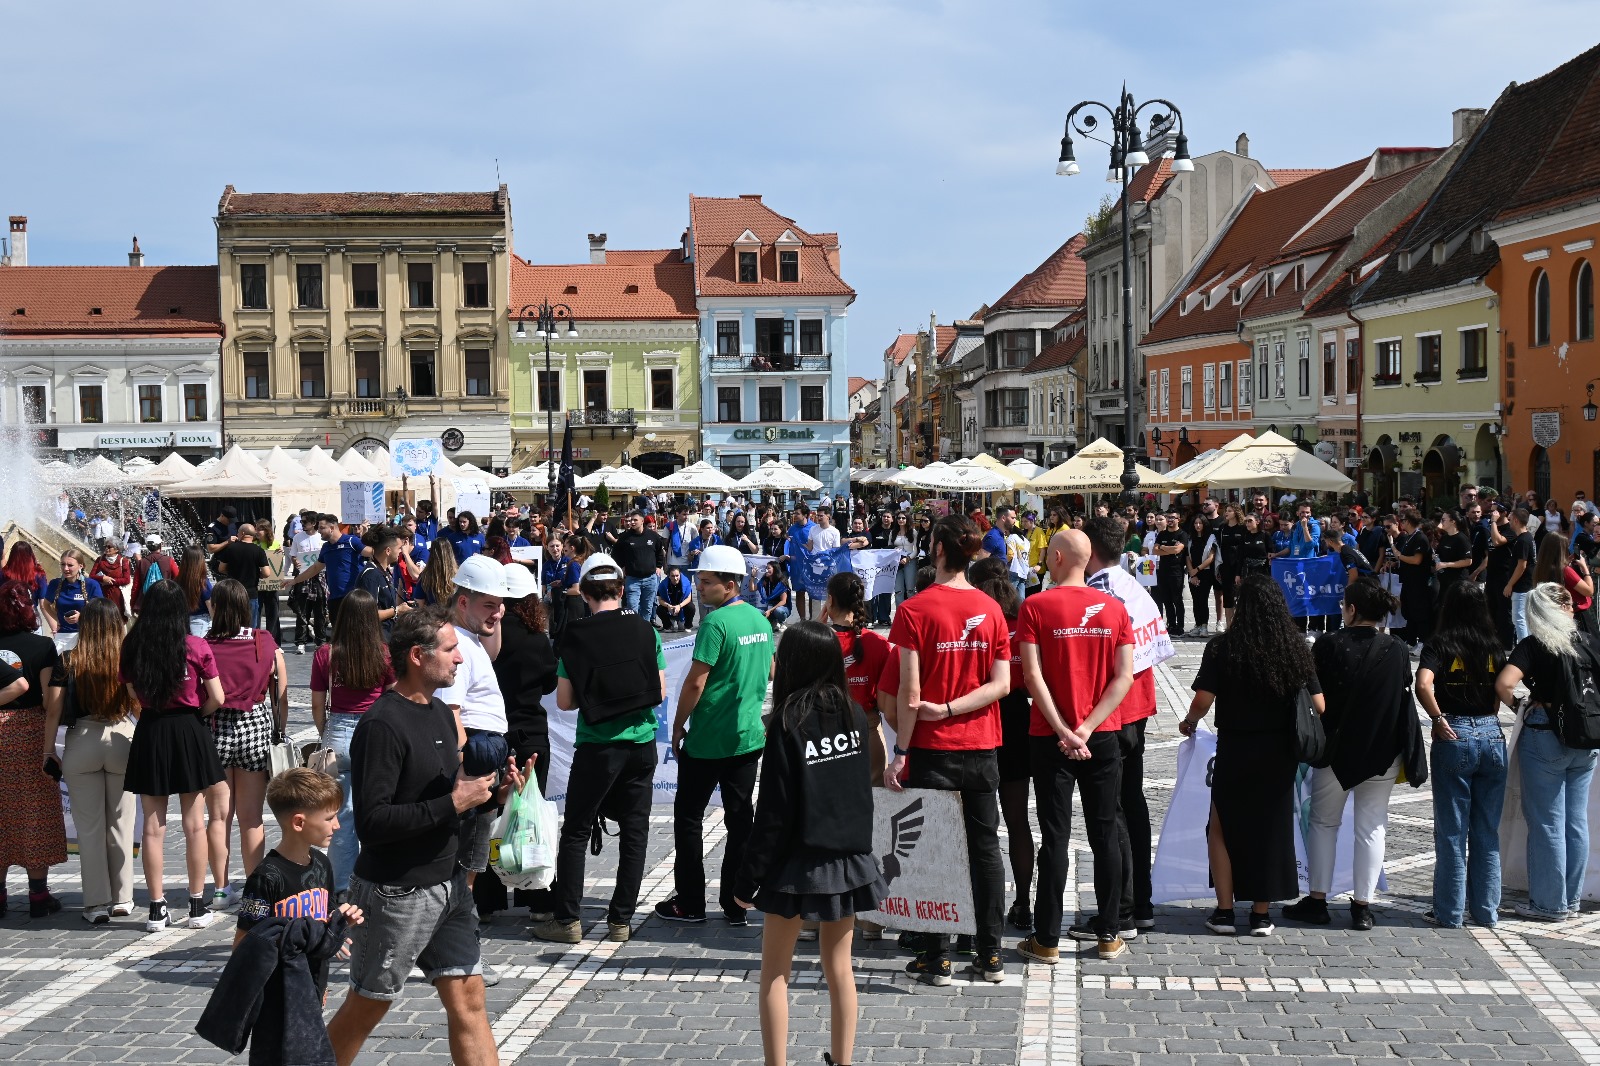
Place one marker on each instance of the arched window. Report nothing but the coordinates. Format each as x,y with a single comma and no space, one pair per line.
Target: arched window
1583,303
1541,309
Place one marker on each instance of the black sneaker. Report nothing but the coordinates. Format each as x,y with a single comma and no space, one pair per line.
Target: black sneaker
1222,921
736,916
1261,924
930,969
966,944
159,918
1310,909
1088,930
987,967
673,911
1020,916
914,943
1361,916
1144,920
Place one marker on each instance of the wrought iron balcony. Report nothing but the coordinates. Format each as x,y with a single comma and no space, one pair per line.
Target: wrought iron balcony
771,362
601,416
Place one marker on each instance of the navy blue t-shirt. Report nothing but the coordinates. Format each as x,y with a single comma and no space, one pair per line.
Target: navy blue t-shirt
341,562
994,542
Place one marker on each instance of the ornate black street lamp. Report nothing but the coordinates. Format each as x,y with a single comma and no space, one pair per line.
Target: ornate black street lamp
1127,154
546,318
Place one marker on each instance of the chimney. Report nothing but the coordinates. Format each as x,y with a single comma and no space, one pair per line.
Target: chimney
1242,145
19,241
750,196
597,247
1464,122
136,257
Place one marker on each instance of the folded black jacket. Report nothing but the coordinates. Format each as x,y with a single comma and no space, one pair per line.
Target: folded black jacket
267,990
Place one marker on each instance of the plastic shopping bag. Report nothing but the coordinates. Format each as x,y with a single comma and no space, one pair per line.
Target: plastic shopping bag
522,846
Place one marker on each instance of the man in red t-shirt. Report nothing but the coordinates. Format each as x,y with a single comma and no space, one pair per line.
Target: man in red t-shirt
1077,660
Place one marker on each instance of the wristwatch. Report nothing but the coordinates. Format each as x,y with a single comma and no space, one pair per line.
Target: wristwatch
900,753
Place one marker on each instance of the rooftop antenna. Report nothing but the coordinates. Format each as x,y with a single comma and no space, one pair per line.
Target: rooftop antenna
497,173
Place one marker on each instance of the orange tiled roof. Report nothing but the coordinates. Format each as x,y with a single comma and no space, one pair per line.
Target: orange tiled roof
59,300
234,203
902,347
855,385
716,222
1337,224
1150,179
1056,356
1290,176
1059,281
628,285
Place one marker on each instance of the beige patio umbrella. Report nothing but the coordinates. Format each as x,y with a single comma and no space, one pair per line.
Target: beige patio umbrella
1274,461
1017,478
1098,468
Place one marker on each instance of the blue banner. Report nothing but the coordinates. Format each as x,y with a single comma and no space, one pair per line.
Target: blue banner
811,571
1311,586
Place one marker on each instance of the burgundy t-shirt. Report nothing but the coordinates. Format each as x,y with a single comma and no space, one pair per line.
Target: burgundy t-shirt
244,663
199,666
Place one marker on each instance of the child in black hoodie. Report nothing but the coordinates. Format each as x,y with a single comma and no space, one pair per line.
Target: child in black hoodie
810,853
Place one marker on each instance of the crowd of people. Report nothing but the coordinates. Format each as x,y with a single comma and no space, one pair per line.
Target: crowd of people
1006,674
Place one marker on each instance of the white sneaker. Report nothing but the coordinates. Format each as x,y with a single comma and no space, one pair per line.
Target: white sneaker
97,915
122,910
226,897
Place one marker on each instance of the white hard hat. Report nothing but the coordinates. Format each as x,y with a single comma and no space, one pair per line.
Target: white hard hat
480,573
723,559
600,561
519,581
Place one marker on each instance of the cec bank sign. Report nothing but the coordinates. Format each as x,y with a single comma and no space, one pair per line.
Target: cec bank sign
773,434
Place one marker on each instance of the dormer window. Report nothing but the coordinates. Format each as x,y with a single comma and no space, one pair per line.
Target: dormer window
788,265
748,271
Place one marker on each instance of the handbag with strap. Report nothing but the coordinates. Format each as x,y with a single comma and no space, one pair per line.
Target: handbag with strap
1310,741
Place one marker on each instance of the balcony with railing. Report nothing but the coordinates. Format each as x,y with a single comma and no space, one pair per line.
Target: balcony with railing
603,416
771,362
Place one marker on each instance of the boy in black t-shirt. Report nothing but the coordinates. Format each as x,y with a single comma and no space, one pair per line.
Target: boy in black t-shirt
295,880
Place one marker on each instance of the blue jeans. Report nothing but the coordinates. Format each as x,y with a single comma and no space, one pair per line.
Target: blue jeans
342,850
1469,789
778,616
639,595
882,607
905,583
1555,804
1519,615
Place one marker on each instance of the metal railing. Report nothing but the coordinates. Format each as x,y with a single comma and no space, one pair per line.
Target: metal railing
775,362
601,416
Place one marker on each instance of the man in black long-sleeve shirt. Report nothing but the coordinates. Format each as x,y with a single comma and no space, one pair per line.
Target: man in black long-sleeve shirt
641,553
410,790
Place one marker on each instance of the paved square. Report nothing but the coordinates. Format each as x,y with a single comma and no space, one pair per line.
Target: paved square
1180,997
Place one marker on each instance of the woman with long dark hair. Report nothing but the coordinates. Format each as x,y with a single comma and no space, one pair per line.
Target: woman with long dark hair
347,677
741,536
32,832
174,678
1555,564
1452,552
1455,684
955,665
1555,778
1371,723
250,667
810,852
97,710
1230,564
464,536
991,577
1252,674
498,549
438,577
905,539
195,581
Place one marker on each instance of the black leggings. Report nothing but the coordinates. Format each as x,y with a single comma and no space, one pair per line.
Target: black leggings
1200,596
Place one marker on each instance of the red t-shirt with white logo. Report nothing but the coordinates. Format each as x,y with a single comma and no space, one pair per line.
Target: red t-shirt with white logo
958,635
864,660
1078,631
1139,703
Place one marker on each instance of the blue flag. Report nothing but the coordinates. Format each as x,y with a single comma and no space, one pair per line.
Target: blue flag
1311,586
812,571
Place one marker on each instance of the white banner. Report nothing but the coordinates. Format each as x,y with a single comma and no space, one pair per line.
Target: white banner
920,839
877,567
1181,868
1514,829
472,496
564,732
1151,644
360,501
414,458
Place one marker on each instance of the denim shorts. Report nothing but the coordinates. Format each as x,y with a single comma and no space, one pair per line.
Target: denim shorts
433,928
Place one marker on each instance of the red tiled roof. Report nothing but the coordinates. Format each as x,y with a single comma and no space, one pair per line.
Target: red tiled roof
944,339
855,385
628,285
1056,356
1569,168
1256,237
234,203
1150,179
902,346
174,300
1057,282
716,222
1289,177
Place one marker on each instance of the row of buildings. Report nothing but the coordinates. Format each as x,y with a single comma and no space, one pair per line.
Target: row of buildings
1420,317
353,319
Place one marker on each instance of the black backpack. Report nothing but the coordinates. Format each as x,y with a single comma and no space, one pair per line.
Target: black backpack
1577,717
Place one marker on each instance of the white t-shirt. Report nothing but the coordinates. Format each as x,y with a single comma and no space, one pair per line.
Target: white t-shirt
476,691
1017,555
823,539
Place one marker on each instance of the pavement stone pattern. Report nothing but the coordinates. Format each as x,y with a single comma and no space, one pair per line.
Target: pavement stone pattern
1181,996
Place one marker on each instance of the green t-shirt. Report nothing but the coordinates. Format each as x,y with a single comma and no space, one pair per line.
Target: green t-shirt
636,727
736,642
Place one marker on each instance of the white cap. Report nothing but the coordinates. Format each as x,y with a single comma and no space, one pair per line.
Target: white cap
152,538
723,559
479,573
519,582
599,561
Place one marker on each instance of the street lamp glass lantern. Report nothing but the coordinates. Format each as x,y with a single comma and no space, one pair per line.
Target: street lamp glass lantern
1589,409
1181,163
522,329
572,329
1136,154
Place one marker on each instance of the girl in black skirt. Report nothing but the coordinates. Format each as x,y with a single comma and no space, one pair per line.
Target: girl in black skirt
174,678
810,851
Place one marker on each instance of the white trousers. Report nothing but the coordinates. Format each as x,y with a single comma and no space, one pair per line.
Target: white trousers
1371,816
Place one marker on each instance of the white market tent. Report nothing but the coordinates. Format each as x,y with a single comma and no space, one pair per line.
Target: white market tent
1097,468
236,474
296,487
473,473
1026,467
323,468
99,471
169,471
697,477
779,476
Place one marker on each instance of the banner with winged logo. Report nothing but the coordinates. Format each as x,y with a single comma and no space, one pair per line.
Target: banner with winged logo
920,839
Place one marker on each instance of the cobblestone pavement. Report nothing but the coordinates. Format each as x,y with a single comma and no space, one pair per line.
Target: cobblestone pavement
1180,997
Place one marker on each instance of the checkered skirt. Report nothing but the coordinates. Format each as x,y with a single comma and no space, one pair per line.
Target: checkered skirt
244,737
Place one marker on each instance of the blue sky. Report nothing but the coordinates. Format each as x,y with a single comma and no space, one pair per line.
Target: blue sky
925,133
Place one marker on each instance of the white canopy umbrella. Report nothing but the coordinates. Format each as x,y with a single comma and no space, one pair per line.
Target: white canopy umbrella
1194,471
1274,461
970,476
932,476
529,477
697,477
985,461
138,462
616,479
473,473
1026,467
1097,468
779,476
99,471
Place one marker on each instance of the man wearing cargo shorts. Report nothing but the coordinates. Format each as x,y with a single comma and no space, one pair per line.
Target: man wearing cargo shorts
410,793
